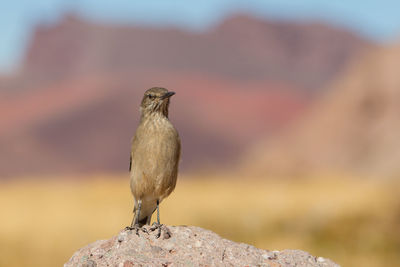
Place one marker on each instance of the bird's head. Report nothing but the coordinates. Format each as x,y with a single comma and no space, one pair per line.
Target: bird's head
156,100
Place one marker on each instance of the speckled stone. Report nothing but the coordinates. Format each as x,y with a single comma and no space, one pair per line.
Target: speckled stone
187,246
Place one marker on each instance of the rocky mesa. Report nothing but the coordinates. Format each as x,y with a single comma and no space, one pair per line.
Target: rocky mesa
185,246
74,100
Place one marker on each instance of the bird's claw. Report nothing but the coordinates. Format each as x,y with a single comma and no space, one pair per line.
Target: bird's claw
137,228
156,226
160,228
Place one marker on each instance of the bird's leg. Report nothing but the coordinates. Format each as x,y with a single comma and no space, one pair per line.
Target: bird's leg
157,225
135,221
137,213
158,212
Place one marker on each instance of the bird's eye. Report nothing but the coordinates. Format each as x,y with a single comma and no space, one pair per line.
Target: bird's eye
151,97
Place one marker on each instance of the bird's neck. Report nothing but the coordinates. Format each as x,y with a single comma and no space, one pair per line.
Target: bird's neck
154,115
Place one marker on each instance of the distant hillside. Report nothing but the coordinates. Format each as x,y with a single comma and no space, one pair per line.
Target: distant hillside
241,48
354,128
74,104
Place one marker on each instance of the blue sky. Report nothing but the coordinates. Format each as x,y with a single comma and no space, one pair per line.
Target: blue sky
375,19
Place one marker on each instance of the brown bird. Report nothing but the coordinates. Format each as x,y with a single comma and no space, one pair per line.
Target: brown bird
154,160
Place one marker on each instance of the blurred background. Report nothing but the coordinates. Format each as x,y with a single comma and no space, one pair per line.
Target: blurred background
288,114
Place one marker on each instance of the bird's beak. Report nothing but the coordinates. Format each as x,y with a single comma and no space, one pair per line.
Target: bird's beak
167,95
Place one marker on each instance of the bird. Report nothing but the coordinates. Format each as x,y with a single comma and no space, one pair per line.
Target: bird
154,158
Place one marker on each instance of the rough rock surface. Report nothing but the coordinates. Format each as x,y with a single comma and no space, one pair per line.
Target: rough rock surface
185,246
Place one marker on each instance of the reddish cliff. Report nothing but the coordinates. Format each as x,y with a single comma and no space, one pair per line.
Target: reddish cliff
74,105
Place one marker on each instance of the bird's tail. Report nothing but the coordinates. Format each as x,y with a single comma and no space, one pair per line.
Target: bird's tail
145,220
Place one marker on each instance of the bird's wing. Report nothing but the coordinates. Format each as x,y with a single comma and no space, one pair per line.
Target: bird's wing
133,148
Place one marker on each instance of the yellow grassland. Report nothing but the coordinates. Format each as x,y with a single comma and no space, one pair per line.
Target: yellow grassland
355,222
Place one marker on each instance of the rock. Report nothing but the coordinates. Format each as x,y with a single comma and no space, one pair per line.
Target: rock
185,246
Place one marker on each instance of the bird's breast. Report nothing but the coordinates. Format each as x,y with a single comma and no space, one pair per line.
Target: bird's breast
155,157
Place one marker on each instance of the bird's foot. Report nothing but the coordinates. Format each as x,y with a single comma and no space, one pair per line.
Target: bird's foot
156,226
137,228
161,228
